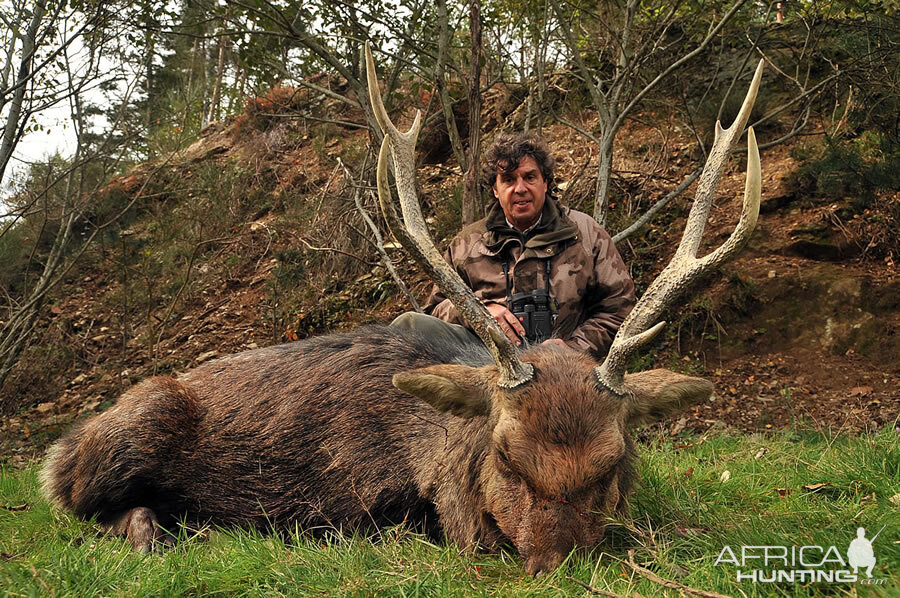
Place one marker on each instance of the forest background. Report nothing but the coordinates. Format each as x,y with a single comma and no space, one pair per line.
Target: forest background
220,184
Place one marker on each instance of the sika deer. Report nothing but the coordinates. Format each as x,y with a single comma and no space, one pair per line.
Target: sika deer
484,443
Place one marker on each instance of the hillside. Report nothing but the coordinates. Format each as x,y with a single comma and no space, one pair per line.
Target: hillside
250,236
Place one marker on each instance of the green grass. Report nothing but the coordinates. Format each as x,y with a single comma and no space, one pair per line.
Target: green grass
682,515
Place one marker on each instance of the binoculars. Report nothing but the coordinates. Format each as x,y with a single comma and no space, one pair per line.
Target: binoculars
537,313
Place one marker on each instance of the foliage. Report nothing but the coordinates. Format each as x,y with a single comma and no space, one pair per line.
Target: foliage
719,107
696,495
858,169
858,165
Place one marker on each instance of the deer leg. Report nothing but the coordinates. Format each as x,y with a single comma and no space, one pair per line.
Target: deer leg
140,526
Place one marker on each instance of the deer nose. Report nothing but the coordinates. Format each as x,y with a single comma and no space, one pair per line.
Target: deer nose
543,563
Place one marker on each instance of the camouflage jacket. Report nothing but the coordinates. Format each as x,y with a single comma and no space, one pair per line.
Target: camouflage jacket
588,278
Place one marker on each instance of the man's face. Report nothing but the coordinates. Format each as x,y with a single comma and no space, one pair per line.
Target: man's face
521,193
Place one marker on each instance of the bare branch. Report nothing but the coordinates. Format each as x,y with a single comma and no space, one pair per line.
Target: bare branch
668,583
651,212
379,240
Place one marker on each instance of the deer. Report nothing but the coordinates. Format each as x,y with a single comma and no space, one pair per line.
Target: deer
486,444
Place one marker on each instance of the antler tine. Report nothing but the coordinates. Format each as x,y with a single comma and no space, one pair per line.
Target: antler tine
612,371
712,171
414,237
685,267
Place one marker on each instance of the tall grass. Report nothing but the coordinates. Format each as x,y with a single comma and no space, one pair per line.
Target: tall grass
697,495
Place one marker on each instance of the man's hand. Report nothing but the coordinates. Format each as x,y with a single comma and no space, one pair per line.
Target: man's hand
509,324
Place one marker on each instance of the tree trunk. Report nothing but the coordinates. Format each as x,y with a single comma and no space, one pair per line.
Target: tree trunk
472,208
604,174
220,70
149,51
446,104
11,130
7,68
204,81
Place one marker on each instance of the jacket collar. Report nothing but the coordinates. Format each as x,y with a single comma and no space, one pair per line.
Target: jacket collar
554,226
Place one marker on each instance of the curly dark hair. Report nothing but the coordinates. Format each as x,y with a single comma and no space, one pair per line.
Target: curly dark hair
507,151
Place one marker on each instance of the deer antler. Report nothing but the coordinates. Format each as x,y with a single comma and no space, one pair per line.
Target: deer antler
686,267
414,237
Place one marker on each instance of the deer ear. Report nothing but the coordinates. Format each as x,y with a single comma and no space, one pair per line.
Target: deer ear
457,389
656,394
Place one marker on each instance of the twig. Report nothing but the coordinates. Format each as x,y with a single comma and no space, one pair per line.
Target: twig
324,192
576,177
187,277
577,128
379,245
327,92
668,583
657,206
342,123
334,250
594,590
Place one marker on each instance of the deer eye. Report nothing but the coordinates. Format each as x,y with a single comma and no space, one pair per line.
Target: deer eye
503,464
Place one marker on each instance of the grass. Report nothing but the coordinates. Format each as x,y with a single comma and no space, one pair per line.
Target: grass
790,489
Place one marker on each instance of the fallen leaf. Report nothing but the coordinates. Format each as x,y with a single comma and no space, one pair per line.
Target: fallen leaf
760,453
895,499
689,472
782,492
689,532
860,391
726,475
815,487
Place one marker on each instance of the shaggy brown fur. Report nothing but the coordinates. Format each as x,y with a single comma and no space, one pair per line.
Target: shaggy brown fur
315,435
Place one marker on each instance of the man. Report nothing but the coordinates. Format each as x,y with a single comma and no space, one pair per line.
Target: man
529,243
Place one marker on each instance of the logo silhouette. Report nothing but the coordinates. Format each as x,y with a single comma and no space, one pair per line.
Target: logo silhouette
860,554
